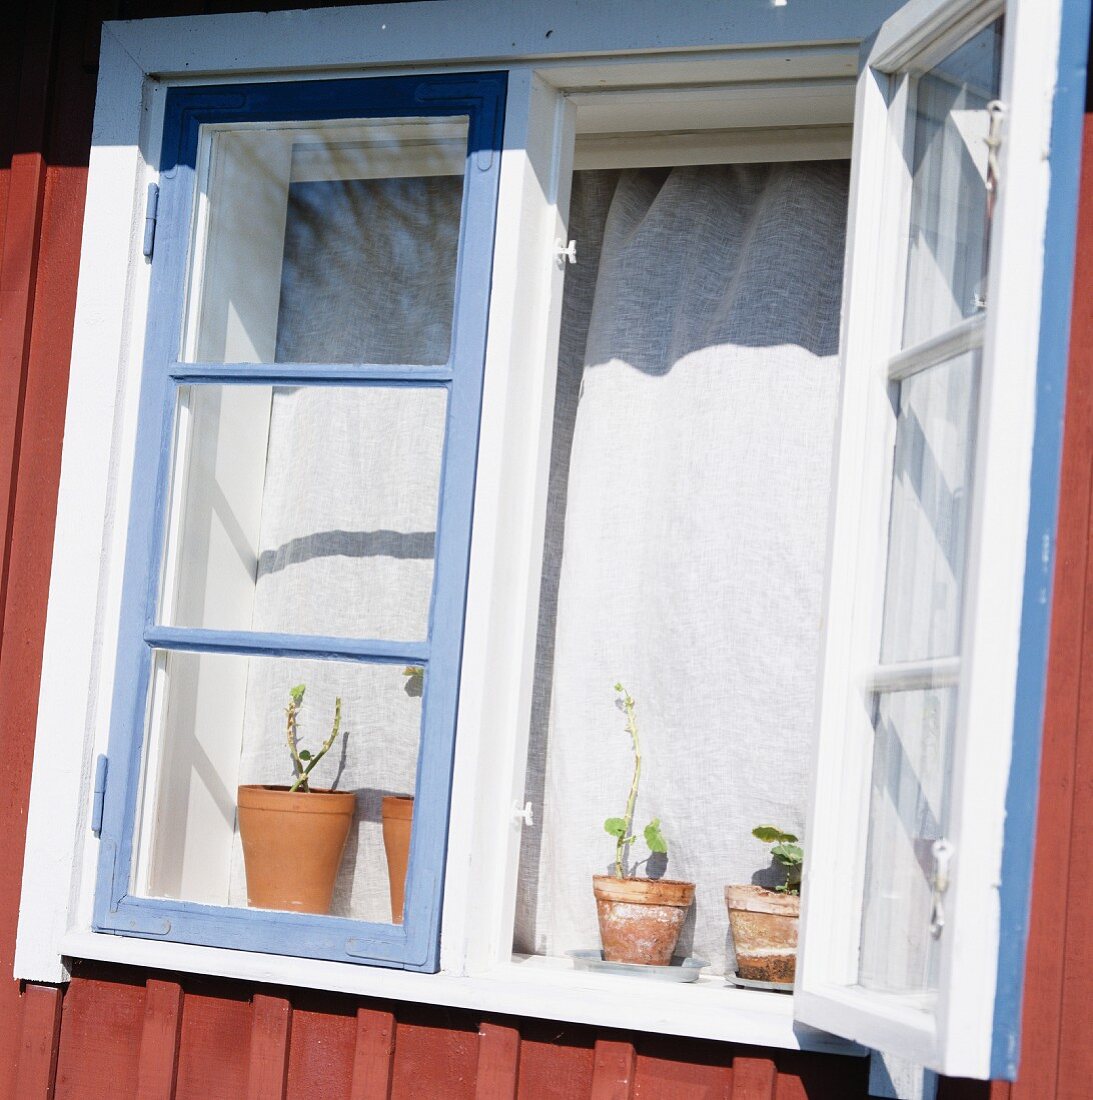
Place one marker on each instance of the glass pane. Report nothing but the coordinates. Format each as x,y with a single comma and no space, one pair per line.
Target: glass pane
931,488
950,208
218,721
908,811
304,510
328,242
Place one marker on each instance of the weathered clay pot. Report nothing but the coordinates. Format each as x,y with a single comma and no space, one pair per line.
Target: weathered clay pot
764,932
292,845
641,918
398,822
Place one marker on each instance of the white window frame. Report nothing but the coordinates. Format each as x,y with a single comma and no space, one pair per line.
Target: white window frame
954,1033
595,59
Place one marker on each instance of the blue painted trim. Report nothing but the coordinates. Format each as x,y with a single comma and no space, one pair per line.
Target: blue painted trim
306,646
1021,796
332,373
414,944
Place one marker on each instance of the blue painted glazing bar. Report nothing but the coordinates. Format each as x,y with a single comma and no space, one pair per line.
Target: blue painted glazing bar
307,646
309,373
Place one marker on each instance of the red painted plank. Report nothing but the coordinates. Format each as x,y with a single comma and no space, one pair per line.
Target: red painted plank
753,1079
613,1070
216,1035
436,1054
39,1042
100,1034
320,1056
498,1062
1048,1045
271,1028
157,1069
556,1060
373,1056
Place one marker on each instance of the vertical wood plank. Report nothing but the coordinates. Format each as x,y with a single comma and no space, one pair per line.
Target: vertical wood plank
271,1029
753,1079
612,1070
373,1055
1046,1040
157,1069
39,1042
498,1062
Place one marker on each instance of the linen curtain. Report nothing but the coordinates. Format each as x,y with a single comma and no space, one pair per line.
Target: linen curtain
686,534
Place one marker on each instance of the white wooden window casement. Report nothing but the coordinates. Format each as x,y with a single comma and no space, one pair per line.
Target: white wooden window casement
619,89
937,422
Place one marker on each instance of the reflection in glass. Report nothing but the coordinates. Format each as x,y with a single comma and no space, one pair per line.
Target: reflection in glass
329,242
931,496
305,510
217,721
908,811
947,251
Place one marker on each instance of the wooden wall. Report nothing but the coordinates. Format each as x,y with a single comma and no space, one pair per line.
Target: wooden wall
119,1032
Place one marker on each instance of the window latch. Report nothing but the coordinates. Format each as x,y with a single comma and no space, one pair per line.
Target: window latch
993,141
565,253
522,815
943,854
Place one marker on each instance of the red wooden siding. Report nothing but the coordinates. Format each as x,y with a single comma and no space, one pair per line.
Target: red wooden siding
120,1032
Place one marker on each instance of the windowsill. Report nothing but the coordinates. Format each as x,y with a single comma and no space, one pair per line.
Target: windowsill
546,988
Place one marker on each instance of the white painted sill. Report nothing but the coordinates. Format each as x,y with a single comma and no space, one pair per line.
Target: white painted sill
528,987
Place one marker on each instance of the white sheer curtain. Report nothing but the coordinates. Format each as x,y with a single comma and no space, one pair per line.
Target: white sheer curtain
687,528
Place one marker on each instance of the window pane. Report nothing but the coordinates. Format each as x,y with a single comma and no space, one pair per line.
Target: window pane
218,721
931,487
908,811
304,510
947,251
329,242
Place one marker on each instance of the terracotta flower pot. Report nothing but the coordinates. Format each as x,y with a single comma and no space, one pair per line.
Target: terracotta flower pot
641,918
292,845
764,932
398,823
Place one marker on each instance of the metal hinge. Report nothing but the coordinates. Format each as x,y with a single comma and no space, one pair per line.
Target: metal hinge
996,109
943,855
100,795
151,212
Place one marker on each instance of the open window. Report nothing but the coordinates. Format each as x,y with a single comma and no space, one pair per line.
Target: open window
337,476
902,912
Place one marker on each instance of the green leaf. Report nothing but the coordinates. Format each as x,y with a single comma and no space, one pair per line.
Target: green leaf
789,855
616,826
654,837
770,835
297,694
304,754
618,687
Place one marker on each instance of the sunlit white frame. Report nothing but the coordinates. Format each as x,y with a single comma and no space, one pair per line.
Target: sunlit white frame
953,1033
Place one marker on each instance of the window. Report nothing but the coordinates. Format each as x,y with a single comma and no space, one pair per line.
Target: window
325,469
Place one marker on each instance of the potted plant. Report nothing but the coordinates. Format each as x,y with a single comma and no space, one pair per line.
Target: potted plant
764,922
294,835
398,819
640,918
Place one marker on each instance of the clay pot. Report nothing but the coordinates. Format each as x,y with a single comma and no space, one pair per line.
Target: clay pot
764,932
292,845
641,918
398,823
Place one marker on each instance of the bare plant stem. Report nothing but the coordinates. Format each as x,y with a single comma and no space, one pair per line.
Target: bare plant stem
631,799
301,781
290,734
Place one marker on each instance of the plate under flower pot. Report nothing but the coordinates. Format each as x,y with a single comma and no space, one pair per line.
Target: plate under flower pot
680,969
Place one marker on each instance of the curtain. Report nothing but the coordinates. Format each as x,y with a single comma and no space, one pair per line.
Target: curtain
686,534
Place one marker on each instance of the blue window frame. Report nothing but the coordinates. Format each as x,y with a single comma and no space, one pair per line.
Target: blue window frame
414,944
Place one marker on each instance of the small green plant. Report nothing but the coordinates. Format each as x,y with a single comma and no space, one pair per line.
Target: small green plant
304,761
619,827
787,853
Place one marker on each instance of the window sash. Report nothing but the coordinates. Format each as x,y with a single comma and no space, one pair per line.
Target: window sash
415,943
